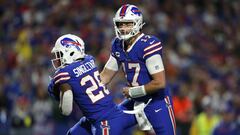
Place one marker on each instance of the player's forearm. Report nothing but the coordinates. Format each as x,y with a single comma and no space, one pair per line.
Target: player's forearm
158,83
106,75
104,78
154,86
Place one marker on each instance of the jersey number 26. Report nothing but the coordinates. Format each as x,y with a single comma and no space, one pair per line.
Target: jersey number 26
96,85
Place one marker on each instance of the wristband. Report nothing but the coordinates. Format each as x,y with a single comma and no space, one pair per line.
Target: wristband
138,91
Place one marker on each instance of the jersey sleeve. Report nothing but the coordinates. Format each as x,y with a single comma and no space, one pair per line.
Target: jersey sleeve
112,63
115,42
152,47
61,77
154,64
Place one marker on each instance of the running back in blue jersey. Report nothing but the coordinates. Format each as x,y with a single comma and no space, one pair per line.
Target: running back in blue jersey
89,93
102,116
77,78
133,60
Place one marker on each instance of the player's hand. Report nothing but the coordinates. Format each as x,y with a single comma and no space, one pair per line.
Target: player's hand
126,92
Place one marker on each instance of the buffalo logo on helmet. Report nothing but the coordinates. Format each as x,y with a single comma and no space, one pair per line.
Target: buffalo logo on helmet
136,11
67,42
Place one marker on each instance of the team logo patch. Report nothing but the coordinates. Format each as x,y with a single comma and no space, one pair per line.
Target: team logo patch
157,67
136,11
67,42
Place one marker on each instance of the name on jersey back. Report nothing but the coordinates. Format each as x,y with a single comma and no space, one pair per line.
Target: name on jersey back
84,68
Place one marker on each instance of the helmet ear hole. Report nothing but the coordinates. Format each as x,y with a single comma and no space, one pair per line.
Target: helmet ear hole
71,54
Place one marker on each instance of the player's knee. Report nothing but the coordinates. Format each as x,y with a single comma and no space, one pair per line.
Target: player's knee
82,120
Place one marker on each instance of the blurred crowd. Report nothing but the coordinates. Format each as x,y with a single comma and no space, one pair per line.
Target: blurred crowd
201,51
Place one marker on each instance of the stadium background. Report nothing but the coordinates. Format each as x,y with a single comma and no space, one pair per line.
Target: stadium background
201,41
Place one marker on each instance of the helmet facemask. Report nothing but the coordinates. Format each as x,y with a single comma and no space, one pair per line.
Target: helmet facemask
57,62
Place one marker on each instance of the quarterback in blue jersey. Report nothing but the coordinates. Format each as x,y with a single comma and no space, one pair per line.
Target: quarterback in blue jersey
77,79
140,57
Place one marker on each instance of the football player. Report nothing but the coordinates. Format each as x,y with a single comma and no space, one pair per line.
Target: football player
140,56
77,79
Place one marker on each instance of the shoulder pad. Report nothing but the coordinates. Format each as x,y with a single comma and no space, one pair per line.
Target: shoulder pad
116,41
89,57
148,39
152,45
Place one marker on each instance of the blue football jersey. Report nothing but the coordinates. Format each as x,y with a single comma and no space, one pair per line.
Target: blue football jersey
133,61
88,92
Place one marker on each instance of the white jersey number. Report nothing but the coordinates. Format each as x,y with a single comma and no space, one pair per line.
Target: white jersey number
96,84
136,67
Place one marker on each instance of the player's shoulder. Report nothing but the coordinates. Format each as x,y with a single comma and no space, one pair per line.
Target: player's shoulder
149,40
116,42
150,45
89,57
61,75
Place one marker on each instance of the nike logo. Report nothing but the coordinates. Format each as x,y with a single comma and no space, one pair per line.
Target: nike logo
152,42
158,110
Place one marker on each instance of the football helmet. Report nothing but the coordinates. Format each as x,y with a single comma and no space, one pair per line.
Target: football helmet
128,13
67,49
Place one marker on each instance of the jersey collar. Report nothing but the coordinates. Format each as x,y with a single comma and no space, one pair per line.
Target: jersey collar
130,48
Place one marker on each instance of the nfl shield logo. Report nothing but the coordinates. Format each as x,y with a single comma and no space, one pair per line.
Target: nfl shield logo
117,54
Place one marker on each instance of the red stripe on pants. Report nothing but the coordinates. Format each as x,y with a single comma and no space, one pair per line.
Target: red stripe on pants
170,111
105,127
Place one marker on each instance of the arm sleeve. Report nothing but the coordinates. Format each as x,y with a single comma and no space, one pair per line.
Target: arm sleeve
112,63
152,47
61,77
154,64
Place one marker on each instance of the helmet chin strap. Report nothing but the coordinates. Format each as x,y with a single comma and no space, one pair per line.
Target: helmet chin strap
132,35
126,36
131,39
